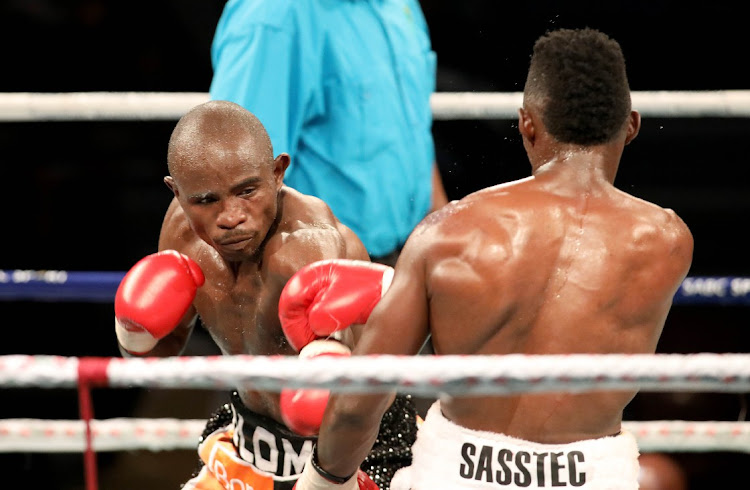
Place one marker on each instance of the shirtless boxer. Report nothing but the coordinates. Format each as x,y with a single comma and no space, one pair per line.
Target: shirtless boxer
559,262
230,240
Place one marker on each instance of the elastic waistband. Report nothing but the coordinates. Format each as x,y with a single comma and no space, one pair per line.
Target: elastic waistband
250,420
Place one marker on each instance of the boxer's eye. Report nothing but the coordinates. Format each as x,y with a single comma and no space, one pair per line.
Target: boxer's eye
203,200
247,192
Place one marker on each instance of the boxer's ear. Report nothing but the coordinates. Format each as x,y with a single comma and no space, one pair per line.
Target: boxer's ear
634,126
169,181
280,164
526,125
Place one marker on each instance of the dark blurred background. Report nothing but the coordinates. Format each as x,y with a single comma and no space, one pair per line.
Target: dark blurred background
89,195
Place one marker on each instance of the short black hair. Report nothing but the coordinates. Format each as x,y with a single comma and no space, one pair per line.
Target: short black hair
578,77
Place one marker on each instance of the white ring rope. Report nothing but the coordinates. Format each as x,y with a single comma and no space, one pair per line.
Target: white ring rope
76,106
420,375
163,434
118,434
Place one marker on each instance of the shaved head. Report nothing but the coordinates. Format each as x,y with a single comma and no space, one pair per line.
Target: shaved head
223,175
214,128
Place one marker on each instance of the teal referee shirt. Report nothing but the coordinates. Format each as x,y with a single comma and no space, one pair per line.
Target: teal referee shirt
343,86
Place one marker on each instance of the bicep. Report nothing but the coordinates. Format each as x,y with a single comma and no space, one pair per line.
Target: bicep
399,324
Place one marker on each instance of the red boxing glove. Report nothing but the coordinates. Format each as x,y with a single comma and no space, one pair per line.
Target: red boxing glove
153,297
315,478
302,409
330,295
364,482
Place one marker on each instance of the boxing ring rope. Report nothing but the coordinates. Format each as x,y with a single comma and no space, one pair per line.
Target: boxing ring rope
420,375
498,375
165,434
101,286
506,374
77,106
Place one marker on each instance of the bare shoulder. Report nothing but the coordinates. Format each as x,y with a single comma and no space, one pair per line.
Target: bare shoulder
667,227
472,212
308,231
677,230
661,238
677,237
176,233
446,231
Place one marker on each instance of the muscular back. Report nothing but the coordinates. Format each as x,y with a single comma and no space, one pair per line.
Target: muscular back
238,304
528,268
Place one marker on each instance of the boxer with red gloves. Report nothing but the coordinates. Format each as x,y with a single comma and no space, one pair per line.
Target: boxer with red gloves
153,298
561,262
231,239
321,299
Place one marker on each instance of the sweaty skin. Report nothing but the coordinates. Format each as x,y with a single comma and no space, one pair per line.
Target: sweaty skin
559,262
248,232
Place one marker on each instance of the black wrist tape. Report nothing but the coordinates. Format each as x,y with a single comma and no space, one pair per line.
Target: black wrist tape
332,478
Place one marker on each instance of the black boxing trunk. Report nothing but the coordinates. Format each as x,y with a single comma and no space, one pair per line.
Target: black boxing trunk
271,447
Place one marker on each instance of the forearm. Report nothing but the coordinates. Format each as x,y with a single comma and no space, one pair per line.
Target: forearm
349,430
